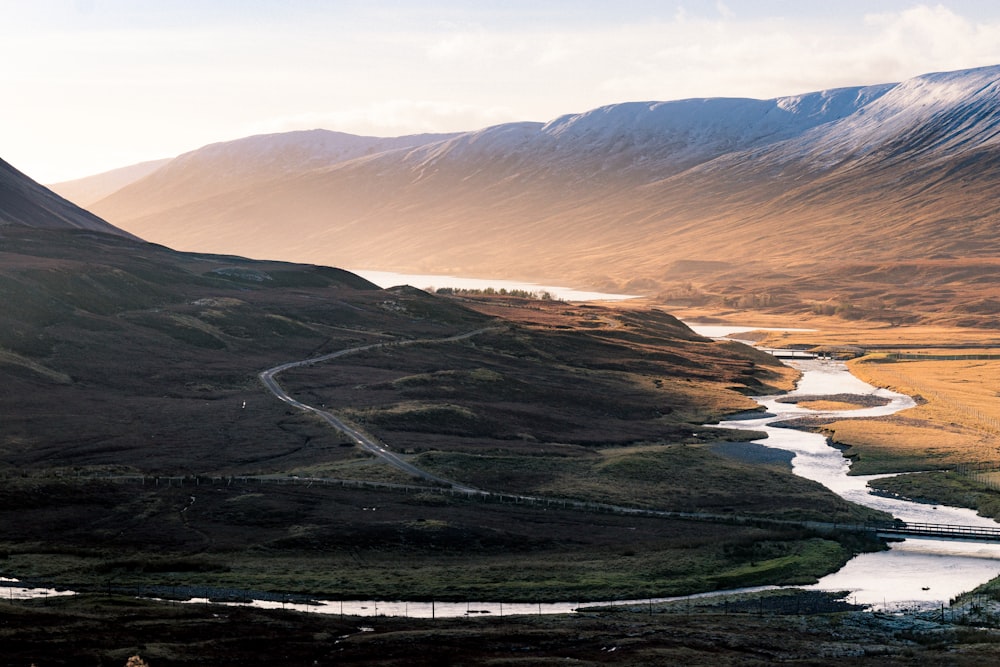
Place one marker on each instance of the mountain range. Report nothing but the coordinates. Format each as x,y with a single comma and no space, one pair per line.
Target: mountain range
866,200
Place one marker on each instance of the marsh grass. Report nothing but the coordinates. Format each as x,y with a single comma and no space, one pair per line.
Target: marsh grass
679,477
710,559
333,542
830,405
944,487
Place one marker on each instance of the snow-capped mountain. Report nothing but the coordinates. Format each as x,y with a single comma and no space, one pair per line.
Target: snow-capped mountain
687,132
643,140
627,194
288,152
932,116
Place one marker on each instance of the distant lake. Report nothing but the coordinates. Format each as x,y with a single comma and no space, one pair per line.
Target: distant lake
430,282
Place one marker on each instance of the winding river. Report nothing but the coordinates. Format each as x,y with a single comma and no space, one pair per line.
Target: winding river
914,573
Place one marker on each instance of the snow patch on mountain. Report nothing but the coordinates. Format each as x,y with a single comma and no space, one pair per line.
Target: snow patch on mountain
646,140
932,116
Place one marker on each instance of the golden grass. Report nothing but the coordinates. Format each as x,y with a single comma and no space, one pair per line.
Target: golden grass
957,421
832,330
958,416
968,390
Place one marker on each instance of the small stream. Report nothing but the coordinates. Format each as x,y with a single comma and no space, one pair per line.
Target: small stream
10,590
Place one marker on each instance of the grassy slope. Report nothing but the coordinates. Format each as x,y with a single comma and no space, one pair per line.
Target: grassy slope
872,238
129,355
323,541
123,357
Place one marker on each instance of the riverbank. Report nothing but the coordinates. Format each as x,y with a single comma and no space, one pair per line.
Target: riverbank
956,422
911,565
314,541
953,433
762,631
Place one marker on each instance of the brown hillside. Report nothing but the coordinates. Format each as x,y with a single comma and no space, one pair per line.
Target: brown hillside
889,208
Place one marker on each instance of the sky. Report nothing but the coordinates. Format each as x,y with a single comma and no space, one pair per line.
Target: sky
91,85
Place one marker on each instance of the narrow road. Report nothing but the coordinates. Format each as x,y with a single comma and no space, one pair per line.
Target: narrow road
362,440
370,445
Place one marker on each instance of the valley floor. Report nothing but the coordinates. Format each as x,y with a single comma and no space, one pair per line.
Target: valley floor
953,372
62,527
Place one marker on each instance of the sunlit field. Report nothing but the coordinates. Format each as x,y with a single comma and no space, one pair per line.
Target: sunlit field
957,419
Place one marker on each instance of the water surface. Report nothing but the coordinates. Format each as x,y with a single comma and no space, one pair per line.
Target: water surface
914,573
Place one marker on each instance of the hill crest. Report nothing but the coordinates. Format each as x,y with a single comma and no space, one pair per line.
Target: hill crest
627,195
25,203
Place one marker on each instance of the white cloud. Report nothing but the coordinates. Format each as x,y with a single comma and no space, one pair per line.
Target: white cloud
695,57
724,10
933,38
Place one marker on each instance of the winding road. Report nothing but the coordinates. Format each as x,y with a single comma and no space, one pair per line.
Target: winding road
367,443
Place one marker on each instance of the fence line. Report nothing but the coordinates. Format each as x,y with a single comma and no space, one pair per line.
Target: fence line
985,423
915,356
193,481
986,473
983,472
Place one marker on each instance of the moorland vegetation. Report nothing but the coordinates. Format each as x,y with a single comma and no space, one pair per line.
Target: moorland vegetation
126,361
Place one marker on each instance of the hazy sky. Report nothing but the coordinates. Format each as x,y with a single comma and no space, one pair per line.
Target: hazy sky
89,85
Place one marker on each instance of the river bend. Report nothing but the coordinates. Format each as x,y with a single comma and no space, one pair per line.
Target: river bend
914,573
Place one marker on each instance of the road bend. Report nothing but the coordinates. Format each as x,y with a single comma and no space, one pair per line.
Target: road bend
365,442
369,444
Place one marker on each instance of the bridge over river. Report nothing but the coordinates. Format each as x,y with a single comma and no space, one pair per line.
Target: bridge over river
788,353
933,530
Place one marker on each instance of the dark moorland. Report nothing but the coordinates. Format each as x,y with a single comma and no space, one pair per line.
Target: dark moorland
141,453
125,360
142,456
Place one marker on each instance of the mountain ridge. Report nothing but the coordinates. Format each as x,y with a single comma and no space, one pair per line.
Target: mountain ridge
26,203
629,194
90,189
237,164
